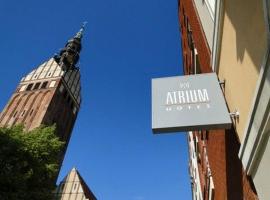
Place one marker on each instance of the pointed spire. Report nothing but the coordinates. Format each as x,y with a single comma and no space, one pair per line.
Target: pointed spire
79,35
74,169
70,54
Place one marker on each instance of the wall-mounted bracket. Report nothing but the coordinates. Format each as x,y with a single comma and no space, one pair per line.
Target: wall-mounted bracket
222,83
235,114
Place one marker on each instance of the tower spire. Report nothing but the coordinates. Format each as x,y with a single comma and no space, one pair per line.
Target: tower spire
70,54
79,35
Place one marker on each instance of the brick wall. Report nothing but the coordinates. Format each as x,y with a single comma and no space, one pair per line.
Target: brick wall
188,16
230,180
46,106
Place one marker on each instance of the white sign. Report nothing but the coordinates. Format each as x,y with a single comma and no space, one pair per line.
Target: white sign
186,103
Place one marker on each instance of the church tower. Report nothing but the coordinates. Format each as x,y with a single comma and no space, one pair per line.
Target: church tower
50,94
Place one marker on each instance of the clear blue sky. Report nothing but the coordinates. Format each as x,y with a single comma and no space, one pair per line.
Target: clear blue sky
126,44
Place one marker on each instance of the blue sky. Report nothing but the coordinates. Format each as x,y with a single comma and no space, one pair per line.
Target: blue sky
126,44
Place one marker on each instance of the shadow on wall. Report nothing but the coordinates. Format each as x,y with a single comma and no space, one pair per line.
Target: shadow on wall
247,18
238,184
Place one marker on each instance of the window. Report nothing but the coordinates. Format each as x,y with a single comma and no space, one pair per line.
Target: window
31,112
186,61
186,23
75,186
14,115
201,133
191,64
65,94
29,87
71,105
62,186
181,27
23,112
195,60
36,86
44,85
197,150
22,88
190,38
195,143
52,84
68,99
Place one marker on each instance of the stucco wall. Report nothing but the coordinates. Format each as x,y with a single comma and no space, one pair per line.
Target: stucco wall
243,46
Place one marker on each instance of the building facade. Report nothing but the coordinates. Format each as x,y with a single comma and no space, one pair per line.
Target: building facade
50,94
73,187
230,38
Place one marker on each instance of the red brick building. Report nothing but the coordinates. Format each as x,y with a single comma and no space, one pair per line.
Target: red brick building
215,168
50,94
193,40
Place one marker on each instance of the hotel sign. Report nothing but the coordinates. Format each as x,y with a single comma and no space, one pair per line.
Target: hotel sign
188,103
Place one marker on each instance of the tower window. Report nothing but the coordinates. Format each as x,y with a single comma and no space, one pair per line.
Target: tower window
36,86
68,99
62,186
52,84
23,112
29,87
65,94
22,88
184,14
71,105
44,85
31,112
15,114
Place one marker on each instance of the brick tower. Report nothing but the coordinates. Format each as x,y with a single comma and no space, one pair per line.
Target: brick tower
50,94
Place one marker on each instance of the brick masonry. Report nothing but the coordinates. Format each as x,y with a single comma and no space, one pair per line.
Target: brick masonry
188,15
42,106
222,146
48,101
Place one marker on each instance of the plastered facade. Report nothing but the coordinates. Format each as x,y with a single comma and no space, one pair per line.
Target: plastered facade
243,47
